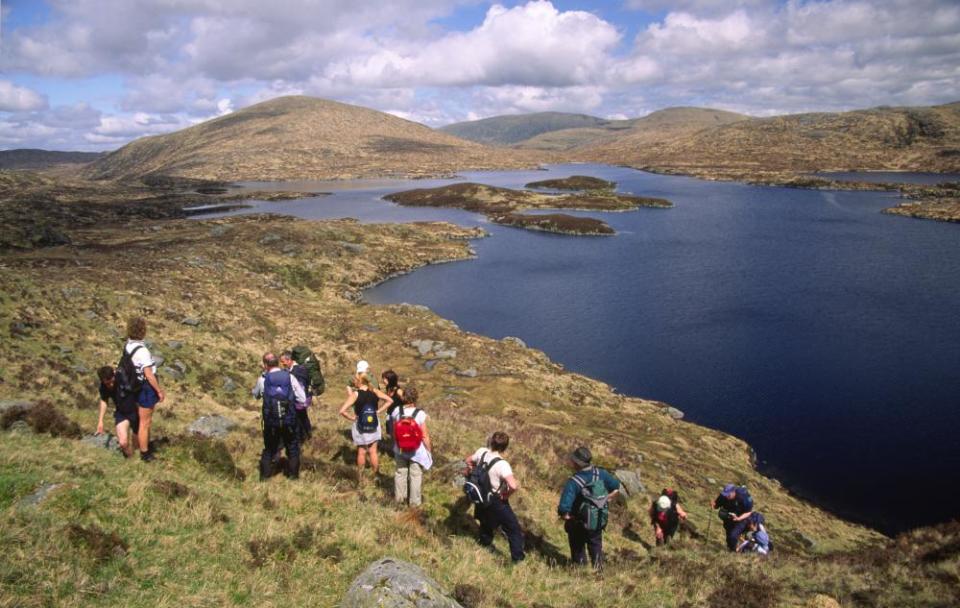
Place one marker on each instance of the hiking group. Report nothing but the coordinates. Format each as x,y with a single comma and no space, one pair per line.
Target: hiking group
291,381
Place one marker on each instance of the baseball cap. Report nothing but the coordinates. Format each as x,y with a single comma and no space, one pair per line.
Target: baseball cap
663,503
363,367
728,488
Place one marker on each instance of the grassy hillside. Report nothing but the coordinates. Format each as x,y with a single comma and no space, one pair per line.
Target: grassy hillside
511,129
186,530
28,158
301,138
909,139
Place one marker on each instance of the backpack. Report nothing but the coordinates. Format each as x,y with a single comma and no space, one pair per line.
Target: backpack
128,378
407,432
593,507
278,400
367,418
745,499
305,357
477,486
300,373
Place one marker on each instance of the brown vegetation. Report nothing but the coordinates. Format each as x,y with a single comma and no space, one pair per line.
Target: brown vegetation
559,223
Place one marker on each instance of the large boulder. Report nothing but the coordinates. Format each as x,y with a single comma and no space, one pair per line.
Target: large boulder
630,483
393,583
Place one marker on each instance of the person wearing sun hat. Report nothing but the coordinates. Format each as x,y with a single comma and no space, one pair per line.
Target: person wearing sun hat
363,367
666,515
589,489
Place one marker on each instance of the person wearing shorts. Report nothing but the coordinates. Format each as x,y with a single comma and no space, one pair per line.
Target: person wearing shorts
125,411
150,394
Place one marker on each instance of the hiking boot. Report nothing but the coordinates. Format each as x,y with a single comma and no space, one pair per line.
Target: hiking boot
147,456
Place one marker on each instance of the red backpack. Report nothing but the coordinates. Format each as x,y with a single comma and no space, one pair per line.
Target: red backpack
408,433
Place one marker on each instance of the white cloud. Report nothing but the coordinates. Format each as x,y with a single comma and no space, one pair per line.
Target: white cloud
19,99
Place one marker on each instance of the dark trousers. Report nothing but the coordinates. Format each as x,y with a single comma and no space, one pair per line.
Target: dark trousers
275,437
734,529
303,420
498,514
669,529
583,541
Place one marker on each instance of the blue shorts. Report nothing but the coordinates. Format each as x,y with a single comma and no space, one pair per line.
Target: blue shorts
148,397
132,417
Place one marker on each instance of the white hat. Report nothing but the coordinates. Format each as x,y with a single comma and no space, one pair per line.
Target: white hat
363,367
663,503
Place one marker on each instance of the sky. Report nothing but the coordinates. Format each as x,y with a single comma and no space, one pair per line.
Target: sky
96,74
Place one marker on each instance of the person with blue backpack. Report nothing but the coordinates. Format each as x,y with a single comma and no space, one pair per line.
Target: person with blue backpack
584,507
280,392
734,506
363,407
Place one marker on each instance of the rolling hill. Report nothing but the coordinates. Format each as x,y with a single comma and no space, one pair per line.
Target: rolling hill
32,158
301,138
512,129
909,138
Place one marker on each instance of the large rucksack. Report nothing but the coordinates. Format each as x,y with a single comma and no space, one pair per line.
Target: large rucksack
406,431
278,400
305,357
745,499
128,378
593,507
477,486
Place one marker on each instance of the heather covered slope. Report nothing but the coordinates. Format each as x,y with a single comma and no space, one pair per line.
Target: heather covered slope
907,139
29,158
515,128
301,138
188,530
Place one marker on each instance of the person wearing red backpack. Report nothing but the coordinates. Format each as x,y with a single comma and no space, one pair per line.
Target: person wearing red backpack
666,515
411,448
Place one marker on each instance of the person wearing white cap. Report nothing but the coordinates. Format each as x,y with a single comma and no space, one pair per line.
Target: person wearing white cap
363,367
666,515
363,407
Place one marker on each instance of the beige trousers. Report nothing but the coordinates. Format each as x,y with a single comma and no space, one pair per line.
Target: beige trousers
409,476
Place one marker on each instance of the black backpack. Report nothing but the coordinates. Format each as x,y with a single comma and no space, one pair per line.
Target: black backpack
128,378
477,486
305,357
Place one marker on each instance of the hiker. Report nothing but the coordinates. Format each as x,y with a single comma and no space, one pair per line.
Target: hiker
125,410
280,391
412,448
299,372
757,538
735,506
150,392
493,509
363,367
390,387
367,404
666,515
584,505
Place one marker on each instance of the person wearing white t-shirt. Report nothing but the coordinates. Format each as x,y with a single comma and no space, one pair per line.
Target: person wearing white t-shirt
408,479
150,394
498,513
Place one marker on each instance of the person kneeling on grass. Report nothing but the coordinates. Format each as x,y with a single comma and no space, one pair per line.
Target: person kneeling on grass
125,410
367,404
584,507
411,448
756,540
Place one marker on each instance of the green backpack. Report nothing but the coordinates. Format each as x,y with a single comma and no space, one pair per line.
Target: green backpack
594,507
305,357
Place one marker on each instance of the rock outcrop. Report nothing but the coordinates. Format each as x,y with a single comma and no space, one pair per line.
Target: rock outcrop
393,583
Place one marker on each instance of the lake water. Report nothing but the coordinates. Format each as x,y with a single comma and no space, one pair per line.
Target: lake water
821,331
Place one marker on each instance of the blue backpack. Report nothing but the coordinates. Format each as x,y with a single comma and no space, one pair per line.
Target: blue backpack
745,499
278,399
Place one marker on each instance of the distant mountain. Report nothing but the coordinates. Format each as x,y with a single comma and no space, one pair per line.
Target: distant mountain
659,125
511,129
911,138
302,138
32,158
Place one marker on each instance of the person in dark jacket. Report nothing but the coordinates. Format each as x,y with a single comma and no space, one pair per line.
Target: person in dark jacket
303,377
280,392
125,410
666,515
735,507
580,539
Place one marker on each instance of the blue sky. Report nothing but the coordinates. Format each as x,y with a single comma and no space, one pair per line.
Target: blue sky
95,74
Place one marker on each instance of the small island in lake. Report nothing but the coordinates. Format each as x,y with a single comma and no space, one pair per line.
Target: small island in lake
502,202
574,182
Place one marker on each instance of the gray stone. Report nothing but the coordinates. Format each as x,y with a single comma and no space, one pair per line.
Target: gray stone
158,360
371,328
430,364
211,426
392,583
14,404
352,247
81,369
270,239
174,344
406,307
470,372
545,404
173,374
515,340
20,427
674,413
105,441
64,350
229,384
711,481
423,346
89,315
40,495
180,366
631,484
148,343
449,353
191,321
